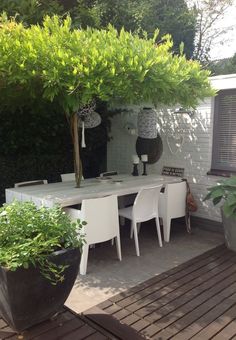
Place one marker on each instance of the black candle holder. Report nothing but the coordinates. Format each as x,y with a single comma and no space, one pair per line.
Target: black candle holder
144,169
135,170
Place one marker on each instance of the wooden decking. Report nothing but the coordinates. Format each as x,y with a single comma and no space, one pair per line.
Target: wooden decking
196,300
66,325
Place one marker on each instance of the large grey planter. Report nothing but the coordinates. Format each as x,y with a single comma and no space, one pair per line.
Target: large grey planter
27,298
229,224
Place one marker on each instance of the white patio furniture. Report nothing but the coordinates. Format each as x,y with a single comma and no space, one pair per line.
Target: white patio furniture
108,173
101,215
172,204
67,194
29,183
144,209
68,177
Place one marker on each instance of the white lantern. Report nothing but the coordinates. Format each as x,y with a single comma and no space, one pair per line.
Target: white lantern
88,119
147,123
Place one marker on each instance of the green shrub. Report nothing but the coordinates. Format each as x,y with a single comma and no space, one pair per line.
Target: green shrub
224,191
28,236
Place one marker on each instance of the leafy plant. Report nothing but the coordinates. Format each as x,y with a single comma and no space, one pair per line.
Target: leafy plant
224,191
29,236
30,11
73,67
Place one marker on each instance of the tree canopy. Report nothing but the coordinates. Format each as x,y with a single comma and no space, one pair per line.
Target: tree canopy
169,16
72,67
223,66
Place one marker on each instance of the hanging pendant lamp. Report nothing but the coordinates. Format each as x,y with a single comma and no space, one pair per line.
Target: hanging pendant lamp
88,119
147,123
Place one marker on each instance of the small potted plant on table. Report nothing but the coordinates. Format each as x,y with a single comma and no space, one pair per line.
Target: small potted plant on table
226,191
39,261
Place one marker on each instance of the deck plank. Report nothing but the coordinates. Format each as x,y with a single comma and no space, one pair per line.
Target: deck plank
217,325
196,300
192,299
174,279
67,325
213,252
178,288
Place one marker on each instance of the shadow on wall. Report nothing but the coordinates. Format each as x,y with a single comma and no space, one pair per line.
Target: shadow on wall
187,142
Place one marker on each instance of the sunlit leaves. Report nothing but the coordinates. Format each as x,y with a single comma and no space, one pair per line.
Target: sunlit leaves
28,236
224,191
73,67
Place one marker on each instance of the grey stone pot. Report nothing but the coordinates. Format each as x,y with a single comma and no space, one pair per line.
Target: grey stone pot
229,224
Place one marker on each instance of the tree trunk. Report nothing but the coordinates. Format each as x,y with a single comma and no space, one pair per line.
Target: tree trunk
75,138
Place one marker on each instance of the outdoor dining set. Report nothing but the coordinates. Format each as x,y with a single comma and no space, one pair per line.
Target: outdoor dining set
103,200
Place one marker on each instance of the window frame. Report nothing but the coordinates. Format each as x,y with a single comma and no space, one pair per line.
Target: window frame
216,169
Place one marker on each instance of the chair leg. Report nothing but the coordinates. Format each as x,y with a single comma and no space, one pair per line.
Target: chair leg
138,227
134,226
84,260
118,247
131,230
159,232
166,228
122,220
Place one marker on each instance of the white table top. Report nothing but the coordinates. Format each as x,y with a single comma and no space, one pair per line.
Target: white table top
66,194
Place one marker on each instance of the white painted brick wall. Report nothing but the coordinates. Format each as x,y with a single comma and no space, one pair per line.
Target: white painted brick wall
194,155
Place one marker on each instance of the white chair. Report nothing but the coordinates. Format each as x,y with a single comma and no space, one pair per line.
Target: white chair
172,204
36,182
101,215
108,173
144,209
68,177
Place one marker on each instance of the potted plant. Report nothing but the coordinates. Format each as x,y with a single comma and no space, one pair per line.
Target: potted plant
225,191
39,261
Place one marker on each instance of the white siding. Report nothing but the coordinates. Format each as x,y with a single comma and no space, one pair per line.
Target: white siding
194,155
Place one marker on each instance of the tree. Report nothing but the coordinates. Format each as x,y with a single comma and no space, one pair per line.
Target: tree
172,17
169,16
208,13
74,67
30,11
223,66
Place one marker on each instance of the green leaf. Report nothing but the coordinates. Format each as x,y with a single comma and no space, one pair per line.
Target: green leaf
216,200
29,235
228,209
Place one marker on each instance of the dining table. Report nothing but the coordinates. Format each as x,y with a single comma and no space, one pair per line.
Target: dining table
67,194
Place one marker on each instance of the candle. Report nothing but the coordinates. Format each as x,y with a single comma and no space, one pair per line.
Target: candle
135,159
144,158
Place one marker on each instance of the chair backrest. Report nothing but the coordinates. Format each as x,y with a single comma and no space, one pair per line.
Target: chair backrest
29,183
175,198
146,204
101,215
108,173
68,177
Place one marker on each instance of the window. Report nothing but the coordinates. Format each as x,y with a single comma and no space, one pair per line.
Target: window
224,133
